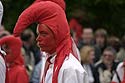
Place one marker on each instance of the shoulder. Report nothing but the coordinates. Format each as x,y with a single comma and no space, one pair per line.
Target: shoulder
120,65
71,63
2,62
100,65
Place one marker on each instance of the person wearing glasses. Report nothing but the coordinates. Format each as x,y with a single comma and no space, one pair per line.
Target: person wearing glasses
107,66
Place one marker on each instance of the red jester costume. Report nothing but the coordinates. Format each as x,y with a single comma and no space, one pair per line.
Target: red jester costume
16,72
53,38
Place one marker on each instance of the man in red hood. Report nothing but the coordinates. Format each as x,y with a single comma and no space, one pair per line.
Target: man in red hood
16,72
62,65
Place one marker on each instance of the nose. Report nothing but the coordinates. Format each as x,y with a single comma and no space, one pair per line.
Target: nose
38,38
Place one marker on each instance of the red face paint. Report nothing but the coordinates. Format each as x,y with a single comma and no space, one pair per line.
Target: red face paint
46,39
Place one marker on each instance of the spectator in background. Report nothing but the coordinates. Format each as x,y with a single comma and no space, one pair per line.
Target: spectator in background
38,69
16,71
87,38
29,50
4,33
87,60
107,67
121,54
101,38
100,43
114,42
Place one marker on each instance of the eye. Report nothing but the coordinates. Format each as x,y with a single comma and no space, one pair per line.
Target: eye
44,34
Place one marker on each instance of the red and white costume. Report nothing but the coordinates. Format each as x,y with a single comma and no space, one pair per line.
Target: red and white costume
64,67
120,73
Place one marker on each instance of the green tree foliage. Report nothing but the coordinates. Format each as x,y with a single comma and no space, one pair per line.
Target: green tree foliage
109,14
12,10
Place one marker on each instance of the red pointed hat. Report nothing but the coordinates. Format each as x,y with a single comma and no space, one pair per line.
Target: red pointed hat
61,3
15,45
12,42
53,16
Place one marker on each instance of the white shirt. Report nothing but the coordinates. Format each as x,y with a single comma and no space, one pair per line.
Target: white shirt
70,72
1,12
2,70
120,71
89,71
43,59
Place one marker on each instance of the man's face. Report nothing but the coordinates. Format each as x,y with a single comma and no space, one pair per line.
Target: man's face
108,57
100,40
46,40
87,35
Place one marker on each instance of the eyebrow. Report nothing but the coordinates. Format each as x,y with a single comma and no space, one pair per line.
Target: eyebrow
43,32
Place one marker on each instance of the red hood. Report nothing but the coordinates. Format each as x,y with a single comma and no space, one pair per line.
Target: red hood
61,3
15,45
53,16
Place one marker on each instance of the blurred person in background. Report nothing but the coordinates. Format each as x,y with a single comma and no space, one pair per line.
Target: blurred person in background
107,66
114,42
30,51
4,33
101,38
16,72
121,54
87,60
87,38
38,69
100,43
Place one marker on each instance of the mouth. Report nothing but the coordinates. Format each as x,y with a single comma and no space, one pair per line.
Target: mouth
40,45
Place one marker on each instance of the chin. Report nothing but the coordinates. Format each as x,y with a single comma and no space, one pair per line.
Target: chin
43,50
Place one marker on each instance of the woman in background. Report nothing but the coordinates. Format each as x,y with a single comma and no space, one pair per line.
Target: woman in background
87,60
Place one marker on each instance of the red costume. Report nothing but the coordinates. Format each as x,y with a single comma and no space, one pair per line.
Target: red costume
61,3
52,15
15,63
